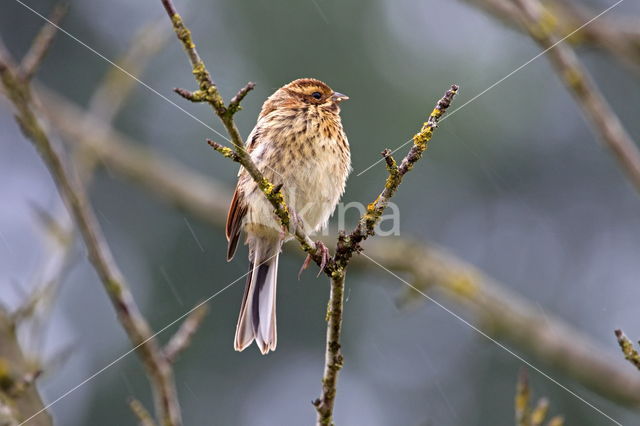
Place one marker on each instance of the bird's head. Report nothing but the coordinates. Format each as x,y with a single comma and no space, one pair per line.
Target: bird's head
307,93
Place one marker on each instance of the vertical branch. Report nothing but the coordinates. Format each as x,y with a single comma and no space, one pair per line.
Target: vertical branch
333,359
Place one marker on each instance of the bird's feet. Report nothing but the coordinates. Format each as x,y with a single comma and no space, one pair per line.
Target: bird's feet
324,254
294,221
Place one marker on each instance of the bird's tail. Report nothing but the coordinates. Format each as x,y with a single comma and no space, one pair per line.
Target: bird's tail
257,318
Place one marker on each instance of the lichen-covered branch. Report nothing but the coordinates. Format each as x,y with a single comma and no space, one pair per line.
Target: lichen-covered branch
335,267
490,304
351,243
366,225
208,92
157,366
630,353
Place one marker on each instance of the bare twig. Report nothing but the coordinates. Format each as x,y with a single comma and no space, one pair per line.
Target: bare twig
158,368
502,314
234,104
41,44
182,338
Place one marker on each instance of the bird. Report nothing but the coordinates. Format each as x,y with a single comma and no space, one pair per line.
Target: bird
299,144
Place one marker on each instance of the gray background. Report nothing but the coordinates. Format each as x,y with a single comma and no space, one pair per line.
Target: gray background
515,183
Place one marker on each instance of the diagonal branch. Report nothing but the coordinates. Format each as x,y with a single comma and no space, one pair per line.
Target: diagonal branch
42,43
182,338
578,82
630,353
350,244
158,368
208,92
619,35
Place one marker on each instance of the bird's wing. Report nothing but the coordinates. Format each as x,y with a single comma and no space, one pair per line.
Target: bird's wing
237,210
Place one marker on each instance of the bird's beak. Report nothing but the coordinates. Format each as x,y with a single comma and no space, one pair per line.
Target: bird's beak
339,97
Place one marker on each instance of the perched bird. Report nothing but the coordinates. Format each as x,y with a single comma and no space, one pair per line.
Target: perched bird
298,142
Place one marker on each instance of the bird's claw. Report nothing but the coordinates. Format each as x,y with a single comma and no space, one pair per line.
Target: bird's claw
324,255
294,220
304,266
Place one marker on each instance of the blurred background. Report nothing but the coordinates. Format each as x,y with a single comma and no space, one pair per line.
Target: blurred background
515,183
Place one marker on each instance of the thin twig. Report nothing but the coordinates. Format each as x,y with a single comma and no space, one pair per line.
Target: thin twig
503,314
139,332
182,338
42,43
234,104
630,353
577,80
141,413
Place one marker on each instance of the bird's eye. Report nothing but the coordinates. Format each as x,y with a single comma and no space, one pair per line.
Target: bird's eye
316,95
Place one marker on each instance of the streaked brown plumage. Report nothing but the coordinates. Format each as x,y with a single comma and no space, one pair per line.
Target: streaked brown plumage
298,142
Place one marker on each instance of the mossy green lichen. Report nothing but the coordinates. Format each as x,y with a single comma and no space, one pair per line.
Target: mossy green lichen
7,381
463,285
182,32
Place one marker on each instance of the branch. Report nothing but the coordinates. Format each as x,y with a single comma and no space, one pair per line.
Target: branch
208,92
578,82
348,245
619,36
334,268
136,327
141,413
502,314
630,353
182,338
18,394
526,415
42,43
366,225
